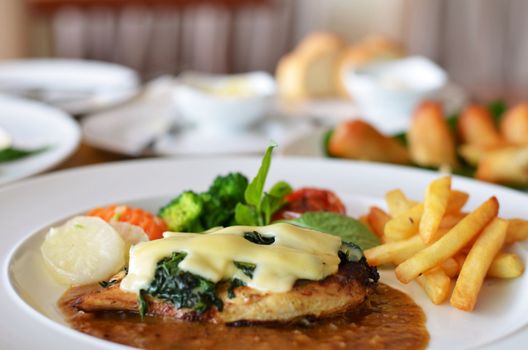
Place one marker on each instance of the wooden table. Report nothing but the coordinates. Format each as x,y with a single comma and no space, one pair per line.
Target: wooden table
88,155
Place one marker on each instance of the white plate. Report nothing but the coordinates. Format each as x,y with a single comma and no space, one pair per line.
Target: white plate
33,125
75,86
28,294
329,112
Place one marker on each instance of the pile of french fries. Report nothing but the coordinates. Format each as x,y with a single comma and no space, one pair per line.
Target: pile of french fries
438,245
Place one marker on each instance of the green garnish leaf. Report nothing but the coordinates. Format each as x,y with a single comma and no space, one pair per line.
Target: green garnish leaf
348,229
234,284
246,215
106,284
257,238
12,154
142,304
255,188
246,268
181,288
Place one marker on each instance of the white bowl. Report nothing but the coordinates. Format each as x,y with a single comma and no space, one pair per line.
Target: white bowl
393,89
224,102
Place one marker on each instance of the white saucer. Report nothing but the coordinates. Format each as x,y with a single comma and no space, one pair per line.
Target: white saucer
34,125
75,86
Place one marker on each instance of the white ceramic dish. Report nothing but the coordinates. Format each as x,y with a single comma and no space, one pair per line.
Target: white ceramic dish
32,125
224,102
75,86
331,112
28,294
394,88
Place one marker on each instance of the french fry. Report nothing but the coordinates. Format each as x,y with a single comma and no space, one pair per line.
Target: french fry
506,265
398,203
450,220
435,205
460,258
377,218
404,225
517,231
394,252
450,267
476,126
436,283
477,263
364,220
450,244
457,200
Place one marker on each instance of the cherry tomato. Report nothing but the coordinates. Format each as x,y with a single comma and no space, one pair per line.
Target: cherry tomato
309,199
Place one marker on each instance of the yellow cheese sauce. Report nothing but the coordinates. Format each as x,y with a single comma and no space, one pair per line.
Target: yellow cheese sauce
389,320
296,253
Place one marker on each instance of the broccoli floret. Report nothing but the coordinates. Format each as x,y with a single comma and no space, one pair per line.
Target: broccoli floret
221,199
183,213
230,188
192,212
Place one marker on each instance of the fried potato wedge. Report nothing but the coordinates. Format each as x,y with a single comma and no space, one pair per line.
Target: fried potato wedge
356,139
450,244
506,265
435,205
476,127
508,165
478,261
431,143
514,124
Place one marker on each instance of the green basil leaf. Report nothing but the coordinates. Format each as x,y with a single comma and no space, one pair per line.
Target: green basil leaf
281,189
246,215
254,190
348,229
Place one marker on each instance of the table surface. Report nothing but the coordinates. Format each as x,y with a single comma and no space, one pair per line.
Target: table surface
88,155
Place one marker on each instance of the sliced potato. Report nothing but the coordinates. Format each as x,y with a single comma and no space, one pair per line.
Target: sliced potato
84,250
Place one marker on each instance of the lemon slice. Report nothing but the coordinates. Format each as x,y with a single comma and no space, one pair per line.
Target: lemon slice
84,250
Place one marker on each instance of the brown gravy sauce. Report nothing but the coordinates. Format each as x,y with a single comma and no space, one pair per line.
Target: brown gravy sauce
390,320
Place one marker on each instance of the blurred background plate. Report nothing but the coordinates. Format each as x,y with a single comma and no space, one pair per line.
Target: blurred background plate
329,112
75,86
33,125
